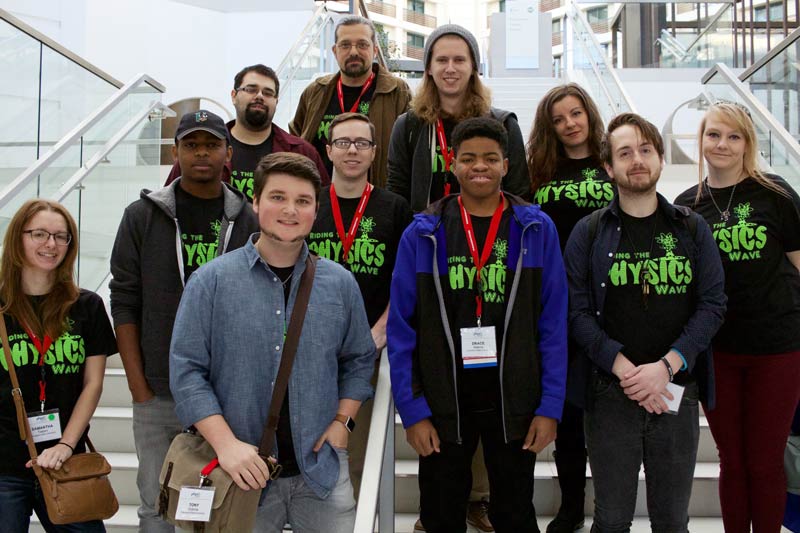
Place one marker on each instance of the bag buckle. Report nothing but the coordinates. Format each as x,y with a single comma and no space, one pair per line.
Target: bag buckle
273,466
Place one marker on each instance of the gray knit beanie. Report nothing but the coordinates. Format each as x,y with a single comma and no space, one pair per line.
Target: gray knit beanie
452,29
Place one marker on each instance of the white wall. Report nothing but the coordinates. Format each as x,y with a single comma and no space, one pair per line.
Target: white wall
191,50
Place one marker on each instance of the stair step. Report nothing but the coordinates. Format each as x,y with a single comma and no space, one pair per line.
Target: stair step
115,389
706,449
404,523
704,500
112,429
125,521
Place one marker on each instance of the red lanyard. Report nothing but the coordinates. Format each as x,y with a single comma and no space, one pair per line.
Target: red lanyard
469,231
42,346
364,89
447,154
348,238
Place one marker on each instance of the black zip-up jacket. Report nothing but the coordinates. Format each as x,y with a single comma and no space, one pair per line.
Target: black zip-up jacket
147,270
533,353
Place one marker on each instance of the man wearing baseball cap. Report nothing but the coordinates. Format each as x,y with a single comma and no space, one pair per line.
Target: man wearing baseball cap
207,218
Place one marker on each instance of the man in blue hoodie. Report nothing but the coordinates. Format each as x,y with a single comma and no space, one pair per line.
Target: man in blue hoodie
477,338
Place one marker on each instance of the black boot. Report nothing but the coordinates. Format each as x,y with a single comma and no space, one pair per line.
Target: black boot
571,466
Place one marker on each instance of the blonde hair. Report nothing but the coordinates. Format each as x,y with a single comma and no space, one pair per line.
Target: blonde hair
52,320
737,117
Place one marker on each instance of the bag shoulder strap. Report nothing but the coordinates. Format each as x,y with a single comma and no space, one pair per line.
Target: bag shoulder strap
594,220
16,393
287,359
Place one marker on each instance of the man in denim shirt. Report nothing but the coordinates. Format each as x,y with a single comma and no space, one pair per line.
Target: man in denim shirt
646,297
227,346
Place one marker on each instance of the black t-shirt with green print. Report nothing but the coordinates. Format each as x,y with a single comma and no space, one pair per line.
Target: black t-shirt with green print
762,285
350,95
89,334
373,252
479,388
199,220
580,187
647,324
244,162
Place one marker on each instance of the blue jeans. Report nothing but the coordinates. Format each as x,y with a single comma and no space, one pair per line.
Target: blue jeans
620,435
291,500
154,426
20,496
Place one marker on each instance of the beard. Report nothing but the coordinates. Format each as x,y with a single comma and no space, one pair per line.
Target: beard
275,237
256,118
355,70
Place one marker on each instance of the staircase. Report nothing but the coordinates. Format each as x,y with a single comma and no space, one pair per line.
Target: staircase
520,95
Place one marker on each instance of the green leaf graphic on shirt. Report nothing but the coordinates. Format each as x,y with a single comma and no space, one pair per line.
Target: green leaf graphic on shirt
366,226
668,243
363,108
215,227
500,249
744,240
589,174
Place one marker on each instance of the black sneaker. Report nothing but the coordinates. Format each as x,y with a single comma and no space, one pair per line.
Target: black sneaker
565,523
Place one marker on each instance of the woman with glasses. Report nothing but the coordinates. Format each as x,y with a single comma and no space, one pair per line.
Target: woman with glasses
755,220
569,182
59,336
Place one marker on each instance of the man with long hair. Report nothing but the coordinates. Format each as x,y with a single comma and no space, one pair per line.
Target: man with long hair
419,154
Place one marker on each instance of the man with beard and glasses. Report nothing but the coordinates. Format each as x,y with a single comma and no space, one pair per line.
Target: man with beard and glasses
253,135
646,295
359,86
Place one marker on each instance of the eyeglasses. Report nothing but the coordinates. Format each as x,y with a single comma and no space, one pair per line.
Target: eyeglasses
361,45
252,90
344,144
41,236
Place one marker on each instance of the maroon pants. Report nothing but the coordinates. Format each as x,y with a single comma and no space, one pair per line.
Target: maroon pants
756,399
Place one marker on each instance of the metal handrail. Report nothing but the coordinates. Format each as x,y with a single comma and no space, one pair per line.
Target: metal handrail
76,179
759,112
377,482
56,47
74,136
774,51
581,17
300,40
713,21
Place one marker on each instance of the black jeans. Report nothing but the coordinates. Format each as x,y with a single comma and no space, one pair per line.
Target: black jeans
445,479
620,436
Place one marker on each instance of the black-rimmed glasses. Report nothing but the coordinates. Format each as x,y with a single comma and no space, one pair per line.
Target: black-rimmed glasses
360,144
252,90
41,236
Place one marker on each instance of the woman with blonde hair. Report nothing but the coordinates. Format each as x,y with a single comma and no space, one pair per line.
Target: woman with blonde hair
569,182
59,336
755,220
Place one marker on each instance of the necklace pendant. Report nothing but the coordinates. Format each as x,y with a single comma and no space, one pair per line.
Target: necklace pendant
645,289
725,215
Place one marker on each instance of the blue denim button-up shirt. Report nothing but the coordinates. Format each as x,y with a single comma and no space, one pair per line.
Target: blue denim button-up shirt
227,344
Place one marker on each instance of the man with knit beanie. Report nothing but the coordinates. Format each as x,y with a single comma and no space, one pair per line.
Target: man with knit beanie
451,91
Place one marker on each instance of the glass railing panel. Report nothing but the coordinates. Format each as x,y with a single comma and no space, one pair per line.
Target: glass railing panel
775,84
19,93
105,192
43,95
591,67
696,47
69,94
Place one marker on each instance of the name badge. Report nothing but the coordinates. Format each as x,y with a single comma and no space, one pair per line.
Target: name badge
194,504
45,425
478,347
